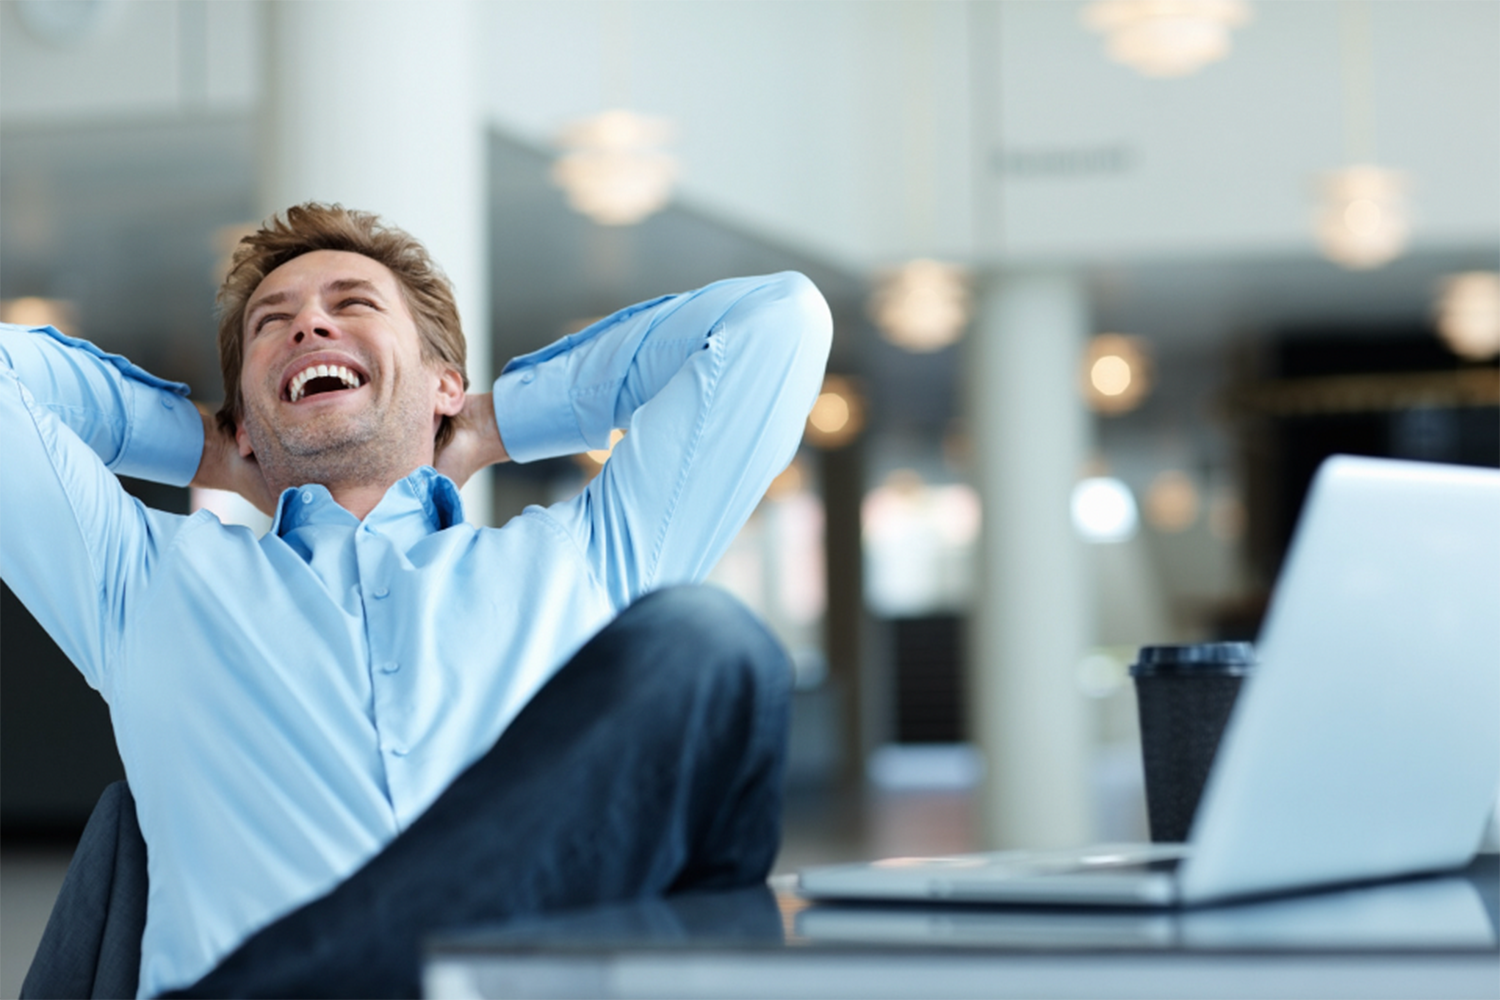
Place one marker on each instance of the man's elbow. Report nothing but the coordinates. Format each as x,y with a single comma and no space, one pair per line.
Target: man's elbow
798,313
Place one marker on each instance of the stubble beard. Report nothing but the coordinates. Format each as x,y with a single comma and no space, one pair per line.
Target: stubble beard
372,446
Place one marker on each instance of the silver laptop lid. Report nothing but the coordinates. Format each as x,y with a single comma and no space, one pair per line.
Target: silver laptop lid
1367,744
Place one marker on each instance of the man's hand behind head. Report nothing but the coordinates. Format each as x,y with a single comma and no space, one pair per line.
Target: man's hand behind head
222,467
476,440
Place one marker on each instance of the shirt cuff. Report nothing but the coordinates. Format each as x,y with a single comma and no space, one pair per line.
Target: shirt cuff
166,436
164,432
534,410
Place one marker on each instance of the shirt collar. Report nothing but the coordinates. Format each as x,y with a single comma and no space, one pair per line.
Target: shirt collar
423,503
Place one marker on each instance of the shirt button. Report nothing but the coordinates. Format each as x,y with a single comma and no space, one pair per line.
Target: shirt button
396,749
380,593
307,496
169,401
390,667
528,378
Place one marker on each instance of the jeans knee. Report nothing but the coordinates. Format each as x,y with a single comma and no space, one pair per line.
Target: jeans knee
713,623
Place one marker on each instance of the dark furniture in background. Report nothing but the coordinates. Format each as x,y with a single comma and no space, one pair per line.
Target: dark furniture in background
1384,393
57,746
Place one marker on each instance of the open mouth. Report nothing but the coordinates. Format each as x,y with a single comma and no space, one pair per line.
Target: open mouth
316,380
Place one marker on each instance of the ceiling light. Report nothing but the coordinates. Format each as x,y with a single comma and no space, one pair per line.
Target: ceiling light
1468,314
1164,38
837,415
923,305
1116,373
1361,222
1103,510
612,170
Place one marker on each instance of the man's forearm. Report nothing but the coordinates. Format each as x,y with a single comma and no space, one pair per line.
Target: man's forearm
476,441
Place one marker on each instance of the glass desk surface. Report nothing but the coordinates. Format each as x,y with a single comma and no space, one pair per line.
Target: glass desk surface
1430,937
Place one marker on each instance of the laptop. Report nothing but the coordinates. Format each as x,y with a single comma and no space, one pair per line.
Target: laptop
1444,911
1365,746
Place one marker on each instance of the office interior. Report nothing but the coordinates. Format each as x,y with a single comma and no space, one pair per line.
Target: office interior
1101,306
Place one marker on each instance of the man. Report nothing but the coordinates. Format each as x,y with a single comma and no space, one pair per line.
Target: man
377,720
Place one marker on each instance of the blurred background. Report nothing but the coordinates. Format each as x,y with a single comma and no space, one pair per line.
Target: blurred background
1109,280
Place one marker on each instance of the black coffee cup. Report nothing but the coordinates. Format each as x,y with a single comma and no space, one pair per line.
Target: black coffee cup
1184,695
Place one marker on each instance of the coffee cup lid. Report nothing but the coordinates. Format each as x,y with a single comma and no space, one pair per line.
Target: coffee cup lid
1195,659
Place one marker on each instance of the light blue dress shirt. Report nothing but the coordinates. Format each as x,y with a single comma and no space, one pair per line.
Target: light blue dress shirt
285,705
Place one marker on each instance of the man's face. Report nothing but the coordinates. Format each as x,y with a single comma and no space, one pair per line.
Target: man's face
335,389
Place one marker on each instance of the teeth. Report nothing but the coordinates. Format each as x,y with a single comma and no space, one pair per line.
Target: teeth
300,380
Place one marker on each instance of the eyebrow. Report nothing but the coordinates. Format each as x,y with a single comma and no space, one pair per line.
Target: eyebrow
351,285
336,285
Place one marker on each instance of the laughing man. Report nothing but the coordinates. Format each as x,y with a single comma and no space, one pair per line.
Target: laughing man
377,720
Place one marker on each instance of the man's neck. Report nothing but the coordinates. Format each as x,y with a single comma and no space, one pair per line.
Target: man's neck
361,499
356,482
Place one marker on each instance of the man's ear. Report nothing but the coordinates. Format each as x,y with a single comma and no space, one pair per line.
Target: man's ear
242,439
450,393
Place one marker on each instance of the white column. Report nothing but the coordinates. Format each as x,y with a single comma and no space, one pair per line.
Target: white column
1032,622
377,106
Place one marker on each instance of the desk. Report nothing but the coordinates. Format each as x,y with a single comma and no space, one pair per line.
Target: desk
1434,937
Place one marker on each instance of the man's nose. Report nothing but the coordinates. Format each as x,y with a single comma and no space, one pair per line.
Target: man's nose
312,323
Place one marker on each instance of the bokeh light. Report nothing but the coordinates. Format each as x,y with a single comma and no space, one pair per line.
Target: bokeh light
1117,373
1104,510
613,171
1166,38
1172,502
1468,314
837,416
1361,221
922,306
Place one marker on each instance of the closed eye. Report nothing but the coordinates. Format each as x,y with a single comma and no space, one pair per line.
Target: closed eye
267,318
346,303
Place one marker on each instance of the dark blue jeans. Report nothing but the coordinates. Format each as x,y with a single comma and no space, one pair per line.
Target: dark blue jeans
650,764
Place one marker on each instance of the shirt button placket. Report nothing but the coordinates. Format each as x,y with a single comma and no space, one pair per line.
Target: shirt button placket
374,567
